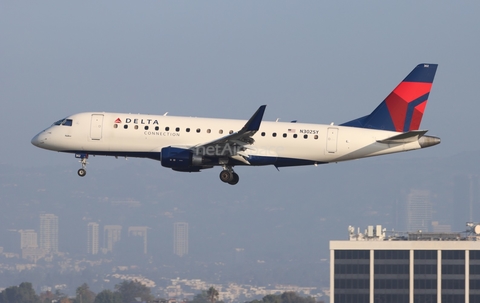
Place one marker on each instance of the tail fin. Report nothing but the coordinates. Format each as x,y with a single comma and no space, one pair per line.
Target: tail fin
403,109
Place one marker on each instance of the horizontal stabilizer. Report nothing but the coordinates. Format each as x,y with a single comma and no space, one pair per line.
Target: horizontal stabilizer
407,137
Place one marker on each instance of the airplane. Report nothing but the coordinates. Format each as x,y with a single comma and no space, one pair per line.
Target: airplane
188,144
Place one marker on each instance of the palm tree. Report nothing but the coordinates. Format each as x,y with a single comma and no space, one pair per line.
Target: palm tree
212,294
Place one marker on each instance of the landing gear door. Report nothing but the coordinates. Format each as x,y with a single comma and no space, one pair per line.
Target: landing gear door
96,126
332,135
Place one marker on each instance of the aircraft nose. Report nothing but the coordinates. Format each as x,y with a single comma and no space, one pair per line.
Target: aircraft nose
37,141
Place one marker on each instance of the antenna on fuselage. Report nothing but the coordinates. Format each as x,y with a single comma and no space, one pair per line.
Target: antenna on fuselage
165,113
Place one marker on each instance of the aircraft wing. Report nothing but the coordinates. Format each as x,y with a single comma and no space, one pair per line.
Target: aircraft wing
233,145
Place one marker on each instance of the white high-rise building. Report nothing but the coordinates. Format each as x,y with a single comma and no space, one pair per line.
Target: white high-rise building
180,239
28,238
111,235
49,233
29,245
139,231
92,238
419,211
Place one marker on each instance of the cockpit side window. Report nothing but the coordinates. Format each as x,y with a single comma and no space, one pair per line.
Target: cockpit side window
65,122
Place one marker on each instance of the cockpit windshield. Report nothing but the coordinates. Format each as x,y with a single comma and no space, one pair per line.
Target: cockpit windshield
65,122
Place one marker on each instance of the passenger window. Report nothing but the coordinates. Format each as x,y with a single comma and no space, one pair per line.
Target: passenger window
177,129
284,135
157,128
295,135
125,126
220,131
136,127
167,128
146,127
305,136
263,134
198,130
315,137
230,132
209,131
274,134
188,129
115,125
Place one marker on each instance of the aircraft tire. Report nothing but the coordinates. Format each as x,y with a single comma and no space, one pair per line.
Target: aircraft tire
226,176
235,179
82,172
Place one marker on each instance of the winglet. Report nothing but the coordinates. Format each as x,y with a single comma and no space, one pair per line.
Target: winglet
253,124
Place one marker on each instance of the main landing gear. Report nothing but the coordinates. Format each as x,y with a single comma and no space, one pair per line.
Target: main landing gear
83,159
229,176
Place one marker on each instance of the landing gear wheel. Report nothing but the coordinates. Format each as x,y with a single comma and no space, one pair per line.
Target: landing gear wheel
235,179
83,160
226,176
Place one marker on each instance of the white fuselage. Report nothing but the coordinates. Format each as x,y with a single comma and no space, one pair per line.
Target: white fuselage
283,144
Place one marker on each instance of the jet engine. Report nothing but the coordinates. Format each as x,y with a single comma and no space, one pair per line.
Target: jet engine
181,159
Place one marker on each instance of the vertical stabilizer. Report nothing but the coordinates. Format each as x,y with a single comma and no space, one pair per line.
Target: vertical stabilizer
403,108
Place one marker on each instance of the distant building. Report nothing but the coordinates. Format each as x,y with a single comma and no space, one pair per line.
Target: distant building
141,232
440,228
180,239
466,200
49,233
28,238
92,238
29,245
415,267
419,210
111,235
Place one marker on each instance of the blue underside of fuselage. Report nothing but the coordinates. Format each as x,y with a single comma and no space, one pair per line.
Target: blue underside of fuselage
254,160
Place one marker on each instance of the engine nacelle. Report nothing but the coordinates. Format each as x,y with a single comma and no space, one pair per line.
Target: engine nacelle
181,159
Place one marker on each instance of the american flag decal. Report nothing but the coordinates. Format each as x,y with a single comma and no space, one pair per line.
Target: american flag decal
291,130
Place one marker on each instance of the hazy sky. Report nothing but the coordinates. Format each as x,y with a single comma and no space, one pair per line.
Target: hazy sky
311,61
315,61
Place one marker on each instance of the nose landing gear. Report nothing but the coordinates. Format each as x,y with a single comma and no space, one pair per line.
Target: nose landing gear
227,175
83,159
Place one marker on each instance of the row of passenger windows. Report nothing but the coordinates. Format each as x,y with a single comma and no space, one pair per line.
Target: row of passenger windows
198,130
